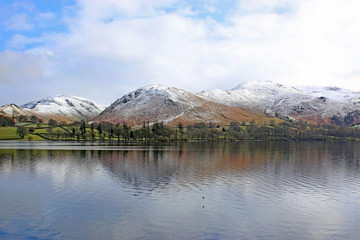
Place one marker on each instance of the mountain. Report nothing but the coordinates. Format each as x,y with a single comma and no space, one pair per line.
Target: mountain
257,96
312,104
12,110
259,101
172,105
64,108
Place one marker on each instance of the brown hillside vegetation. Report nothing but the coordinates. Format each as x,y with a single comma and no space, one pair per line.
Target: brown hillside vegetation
172,106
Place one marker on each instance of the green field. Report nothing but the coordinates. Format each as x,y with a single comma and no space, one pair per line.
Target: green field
39,132
8,133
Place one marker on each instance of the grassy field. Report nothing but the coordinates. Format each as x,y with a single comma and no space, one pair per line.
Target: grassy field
33,137
40,132
8,133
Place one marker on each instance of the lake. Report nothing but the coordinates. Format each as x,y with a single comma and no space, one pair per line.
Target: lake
246,190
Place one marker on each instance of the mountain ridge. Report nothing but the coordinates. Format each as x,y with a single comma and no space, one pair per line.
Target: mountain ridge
256,100
60,108
154,103
312,104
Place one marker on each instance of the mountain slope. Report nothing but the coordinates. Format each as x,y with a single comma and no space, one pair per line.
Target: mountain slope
64,108
247,101
257,96
172,105
313,104
12,110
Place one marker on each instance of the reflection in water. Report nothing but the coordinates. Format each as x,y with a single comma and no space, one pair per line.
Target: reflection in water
250,190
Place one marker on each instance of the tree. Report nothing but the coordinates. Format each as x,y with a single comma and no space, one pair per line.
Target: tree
52,122
73,131
50,131
22,118
99,129
21,131
83,130
126,131
6,121
117,132
58,133
38,124
111,133
34,119
236,131
92,132
106,127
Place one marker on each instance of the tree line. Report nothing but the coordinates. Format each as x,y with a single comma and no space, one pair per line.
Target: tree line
236,131
159,131
6,121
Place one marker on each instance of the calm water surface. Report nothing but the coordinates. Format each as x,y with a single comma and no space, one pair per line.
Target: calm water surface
275,190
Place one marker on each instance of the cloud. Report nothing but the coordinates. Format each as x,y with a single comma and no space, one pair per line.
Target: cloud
307,44
20,67
19,22
20,41
24,17
196,46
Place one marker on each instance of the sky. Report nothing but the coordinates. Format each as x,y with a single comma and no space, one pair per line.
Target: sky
101,50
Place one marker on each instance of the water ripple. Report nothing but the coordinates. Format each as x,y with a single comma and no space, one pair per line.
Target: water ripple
185,191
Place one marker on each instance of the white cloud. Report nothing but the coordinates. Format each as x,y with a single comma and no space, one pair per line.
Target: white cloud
265,5
45,16
126,44
20,67
20,41
19,22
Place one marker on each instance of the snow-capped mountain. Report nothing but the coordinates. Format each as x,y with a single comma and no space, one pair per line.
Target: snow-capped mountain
172,105
12,110
253,95
314,104
247,101
64,108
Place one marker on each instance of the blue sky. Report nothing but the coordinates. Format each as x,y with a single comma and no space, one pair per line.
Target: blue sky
35,18
103,49
30,19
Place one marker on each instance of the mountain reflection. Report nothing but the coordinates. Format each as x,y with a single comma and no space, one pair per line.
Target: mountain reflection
265,190
155,168
152,167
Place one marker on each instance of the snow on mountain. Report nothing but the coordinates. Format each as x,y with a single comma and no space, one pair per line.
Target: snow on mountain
64,108
247,101
12,110
172,105
335,93
314,104
253,95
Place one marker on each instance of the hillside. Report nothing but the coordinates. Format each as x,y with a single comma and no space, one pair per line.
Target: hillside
259,101
64,108
157,103
12,110
312,104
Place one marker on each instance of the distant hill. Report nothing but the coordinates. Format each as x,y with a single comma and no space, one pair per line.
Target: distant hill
157,103
60,108
13,110
311,104
259,101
